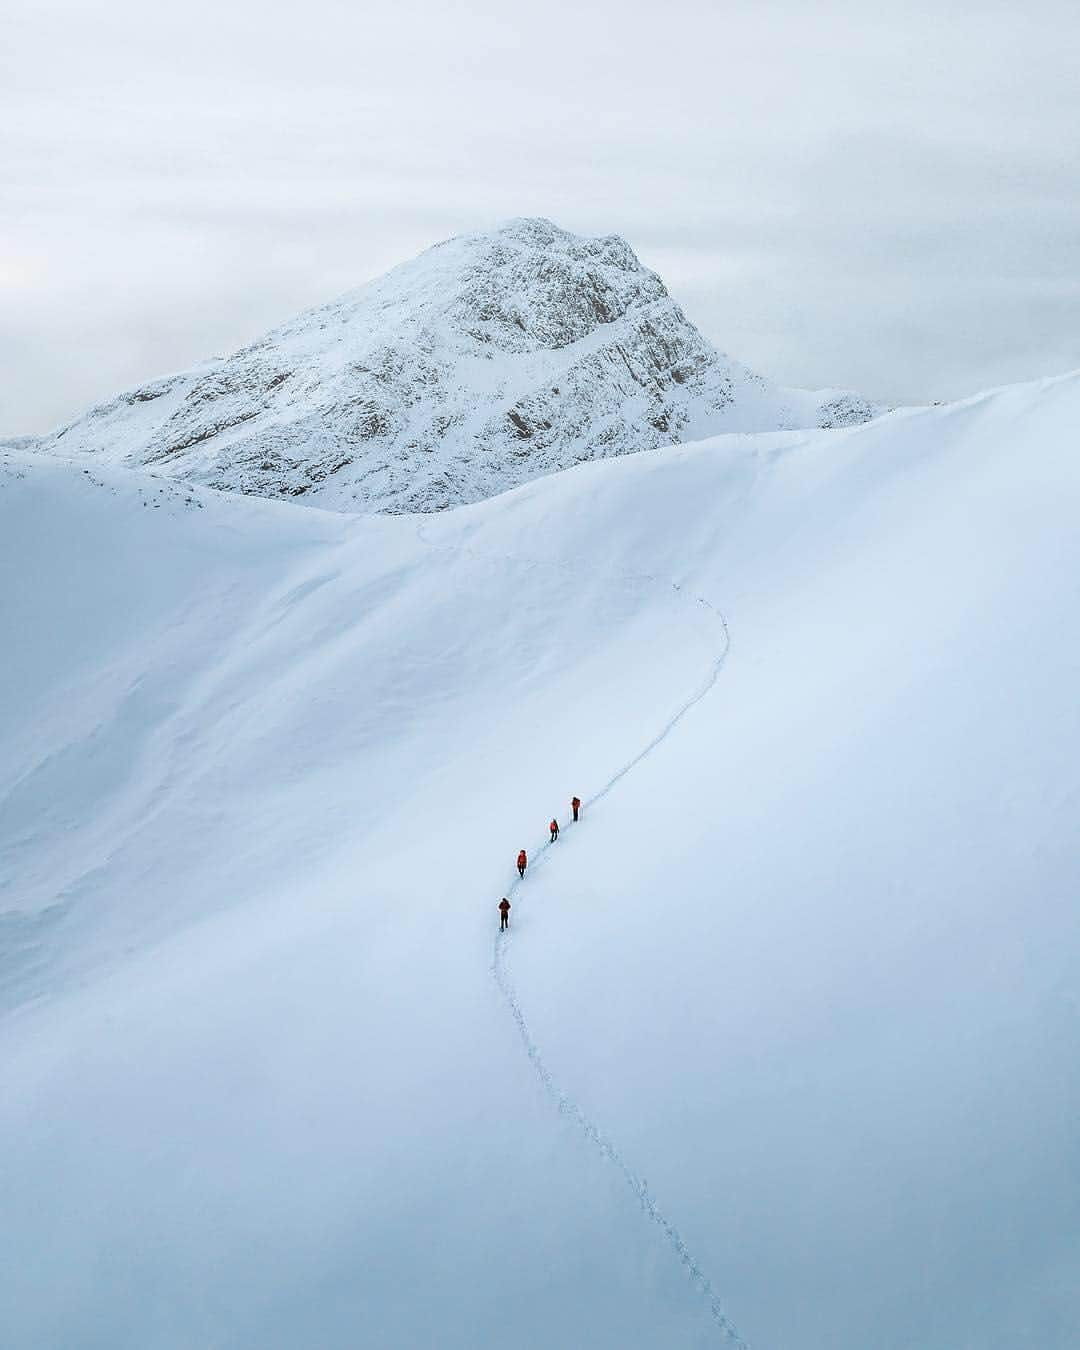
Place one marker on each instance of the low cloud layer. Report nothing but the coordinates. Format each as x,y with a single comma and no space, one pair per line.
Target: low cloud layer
888,203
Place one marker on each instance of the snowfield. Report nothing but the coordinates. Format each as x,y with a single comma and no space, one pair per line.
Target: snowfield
490,359
783,1046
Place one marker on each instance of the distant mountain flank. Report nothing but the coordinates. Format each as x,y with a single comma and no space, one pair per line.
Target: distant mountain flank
487,361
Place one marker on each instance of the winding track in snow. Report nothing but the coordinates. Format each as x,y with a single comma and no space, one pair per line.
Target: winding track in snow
566,1105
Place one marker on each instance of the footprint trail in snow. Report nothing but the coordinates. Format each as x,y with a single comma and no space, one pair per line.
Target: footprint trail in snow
565,1104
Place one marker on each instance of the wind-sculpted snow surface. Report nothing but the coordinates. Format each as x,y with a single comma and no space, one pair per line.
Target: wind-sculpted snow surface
489,360
810,968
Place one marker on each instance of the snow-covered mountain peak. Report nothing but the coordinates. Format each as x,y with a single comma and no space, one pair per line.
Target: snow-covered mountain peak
490,359
526,285
532,285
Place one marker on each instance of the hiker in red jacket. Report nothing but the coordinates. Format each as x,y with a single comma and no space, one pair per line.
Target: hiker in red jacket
504,913
523,862
575,806
554,828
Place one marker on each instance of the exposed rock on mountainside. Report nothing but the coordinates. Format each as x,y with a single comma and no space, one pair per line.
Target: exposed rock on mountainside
487,361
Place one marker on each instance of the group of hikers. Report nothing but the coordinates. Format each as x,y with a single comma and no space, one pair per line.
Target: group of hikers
523,862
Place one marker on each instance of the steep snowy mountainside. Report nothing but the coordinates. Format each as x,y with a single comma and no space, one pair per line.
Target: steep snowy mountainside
489,360
809,966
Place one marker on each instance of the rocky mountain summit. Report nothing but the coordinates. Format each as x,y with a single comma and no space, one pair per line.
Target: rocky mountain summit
487,361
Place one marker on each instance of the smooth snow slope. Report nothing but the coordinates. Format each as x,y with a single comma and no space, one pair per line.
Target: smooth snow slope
485,362
810,966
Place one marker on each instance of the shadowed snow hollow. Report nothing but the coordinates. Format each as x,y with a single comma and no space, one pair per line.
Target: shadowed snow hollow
811,965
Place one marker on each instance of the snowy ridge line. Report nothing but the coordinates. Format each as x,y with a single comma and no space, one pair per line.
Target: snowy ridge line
565,1104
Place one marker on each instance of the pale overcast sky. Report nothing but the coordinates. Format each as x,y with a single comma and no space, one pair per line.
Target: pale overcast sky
881,196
